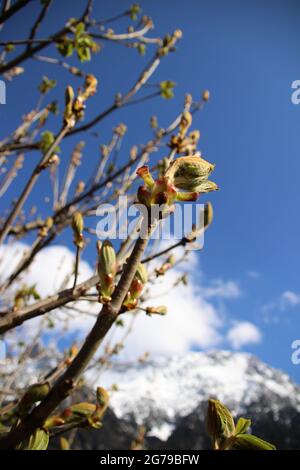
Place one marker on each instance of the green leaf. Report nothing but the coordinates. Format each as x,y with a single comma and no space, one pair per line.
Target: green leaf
242,426
65,47
39,440
167,89
80,28
167,84
46,142
46,85
250,442
53,107
83,408
167,94
84,54
94,423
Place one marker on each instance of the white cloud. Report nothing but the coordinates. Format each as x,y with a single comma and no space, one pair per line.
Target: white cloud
253,274
192,319
222,289
50,272
289,299
272,311
242,334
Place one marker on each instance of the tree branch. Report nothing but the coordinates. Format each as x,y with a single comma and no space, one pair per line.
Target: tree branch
66,383
12,319
6,14
31,182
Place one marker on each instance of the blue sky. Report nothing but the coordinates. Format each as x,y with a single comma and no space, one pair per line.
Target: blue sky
247,55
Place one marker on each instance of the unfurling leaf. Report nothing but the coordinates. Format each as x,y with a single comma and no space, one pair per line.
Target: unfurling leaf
167,89
102,397
46,142
191,174
250,442
39,440
83,408
46,85
242,426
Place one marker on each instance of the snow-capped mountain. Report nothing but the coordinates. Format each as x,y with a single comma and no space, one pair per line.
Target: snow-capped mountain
169,397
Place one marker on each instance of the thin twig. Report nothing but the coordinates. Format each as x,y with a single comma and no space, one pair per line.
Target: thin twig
77,258
8,13
31,182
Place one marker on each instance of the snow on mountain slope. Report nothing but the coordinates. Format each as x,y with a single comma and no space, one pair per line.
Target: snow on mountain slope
161,391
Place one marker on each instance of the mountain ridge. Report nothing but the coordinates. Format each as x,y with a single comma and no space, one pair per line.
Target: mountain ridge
169,397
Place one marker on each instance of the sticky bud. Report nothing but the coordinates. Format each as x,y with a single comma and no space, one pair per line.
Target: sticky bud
37,392
185,123
153,122
69,96
206,95
33,394
78,226
107,269
178,34
219,422
191,174
107,259
194,136
68,113
169,263
161,310
142,274
135,291
90,84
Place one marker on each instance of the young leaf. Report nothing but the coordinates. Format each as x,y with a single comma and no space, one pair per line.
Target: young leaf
83,409
242,425
250,442
39,440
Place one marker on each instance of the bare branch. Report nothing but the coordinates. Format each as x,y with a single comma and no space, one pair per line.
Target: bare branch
8,13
